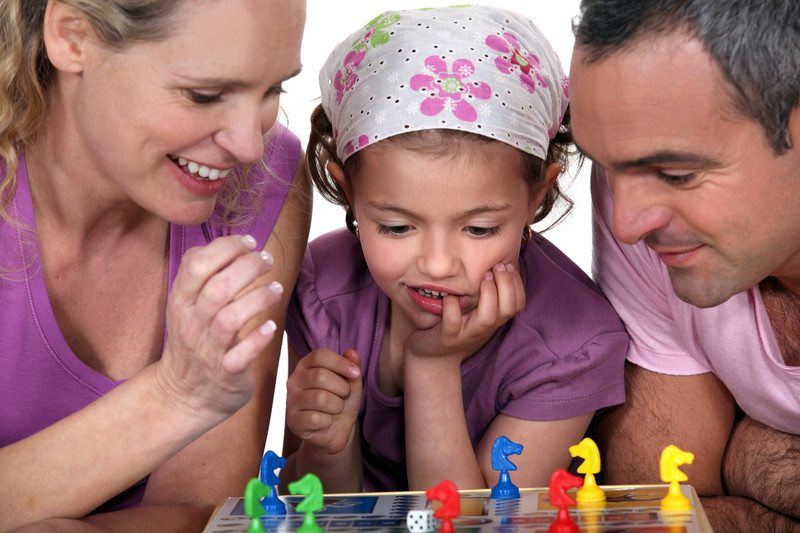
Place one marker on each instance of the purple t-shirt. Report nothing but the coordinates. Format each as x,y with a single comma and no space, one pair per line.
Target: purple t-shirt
41,379
560,357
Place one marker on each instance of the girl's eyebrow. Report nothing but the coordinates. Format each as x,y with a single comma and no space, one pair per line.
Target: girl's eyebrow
487,208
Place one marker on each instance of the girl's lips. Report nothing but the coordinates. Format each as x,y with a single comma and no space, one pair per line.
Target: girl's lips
433,305
194,185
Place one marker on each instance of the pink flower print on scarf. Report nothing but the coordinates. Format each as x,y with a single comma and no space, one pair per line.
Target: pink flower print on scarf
350,147
449,88
347,77
516,59
565,87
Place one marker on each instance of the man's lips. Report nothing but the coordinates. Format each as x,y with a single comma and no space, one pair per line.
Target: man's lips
678,257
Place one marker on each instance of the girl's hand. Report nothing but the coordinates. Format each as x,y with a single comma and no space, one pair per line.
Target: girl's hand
204,366
323,399
457,336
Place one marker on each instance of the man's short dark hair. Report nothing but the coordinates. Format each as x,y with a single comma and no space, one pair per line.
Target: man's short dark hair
756,43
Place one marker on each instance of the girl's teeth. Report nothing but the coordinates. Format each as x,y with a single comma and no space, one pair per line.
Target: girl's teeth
213,174
203,171
193,167
182,162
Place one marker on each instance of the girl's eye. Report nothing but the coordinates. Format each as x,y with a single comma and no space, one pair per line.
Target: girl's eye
674,179
204,98
393,230
479,231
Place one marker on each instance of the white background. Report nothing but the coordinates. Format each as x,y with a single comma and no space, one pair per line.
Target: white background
327,24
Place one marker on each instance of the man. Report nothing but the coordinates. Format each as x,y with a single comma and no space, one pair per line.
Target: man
691,109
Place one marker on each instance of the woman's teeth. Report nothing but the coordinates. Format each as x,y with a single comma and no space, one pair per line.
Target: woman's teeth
200,171
431,294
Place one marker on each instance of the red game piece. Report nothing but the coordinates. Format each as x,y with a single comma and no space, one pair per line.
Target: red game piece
447,493
560,481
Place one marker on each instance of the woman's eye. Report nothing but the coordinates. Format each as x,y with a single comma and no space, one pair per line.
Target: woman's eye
479,231
204,98
275,91
393,230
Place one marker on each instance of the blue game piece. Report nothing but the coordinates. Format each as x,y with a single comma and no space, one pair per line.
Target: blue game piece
501,449
269,463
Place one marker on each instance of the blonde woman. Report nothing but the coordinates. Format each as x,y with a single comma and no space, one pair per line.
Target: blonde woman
151,227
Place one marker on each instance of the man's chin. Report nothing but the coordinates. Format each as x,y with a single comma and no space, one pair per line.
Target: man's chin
700,291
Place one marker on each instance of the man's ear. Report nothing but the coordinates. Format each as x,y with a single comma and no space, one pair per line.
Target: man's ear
66,35
337,173
551,174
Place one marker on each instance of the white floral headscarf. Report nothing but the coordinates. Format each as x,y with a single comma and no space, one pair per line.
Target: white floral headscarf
473,68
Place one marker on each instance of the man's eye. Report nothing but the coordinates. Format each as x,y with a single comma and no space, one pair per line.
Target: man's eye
674,179
479,231
393,230
204,98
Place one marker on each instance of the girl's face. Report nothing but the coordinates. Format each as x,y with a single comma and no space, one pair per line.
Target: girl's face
149,118
431,224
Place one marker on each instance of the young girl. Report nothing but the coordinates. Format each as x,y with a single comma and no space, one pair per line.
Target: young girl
441,321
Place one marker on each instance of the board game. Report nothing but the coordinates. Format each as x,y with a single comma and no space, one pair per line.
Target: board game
627,508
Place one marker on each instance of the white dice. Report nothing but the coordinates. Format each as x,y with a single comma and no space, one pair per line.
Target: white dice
421,521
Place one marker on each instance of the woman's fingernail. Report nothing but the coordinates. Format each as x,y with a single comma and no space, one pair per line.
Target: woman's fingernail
500,267
488,276
268,328
276,287
266,257
510,267
249,241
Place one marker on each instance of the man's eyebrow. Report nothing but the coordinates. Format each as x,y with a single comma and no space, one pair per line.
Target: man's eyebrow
661,158
667,158
232,82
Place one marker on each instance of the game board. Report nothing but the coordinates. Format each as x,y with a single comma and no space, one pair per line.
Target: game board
627,508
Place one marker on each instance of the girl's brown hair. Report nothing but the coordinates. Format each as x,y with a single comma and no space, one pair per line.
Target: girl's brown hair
322,149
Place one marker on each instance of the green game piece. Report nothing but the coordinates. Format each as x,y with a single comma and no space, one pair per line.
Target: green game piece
254,491
311,487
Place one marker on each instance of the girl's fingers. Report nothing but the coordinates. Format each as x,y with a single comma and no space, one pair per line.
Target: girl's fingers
486,312
320,378
504,275
519,292
324,358
451,316
200,263
319,400
303,423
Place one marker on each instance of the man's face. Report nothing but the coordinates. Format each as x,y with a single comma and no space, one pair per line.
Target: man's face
690,175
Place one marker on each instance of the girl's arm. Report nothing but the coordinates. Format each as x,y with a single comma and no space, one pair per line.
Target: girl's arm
546,447
341,471
139,427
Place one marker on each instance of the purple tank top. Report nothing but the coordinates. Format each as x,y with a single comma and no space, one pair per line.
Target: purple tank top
560,357
41,380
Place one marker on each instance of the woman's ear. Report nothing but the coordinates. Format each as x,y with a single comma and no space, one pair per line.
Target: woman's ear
551,174
337,173
66,35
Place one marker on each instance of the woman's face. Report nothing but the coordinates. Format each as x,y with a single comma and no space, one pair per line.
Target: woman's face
162,123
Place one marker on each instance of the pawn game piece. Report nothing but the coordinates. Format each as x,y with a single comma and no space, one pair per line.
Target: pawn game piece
272,504
254,491
311,487
447,493
421,521
671,458
560,481
501,449
590,492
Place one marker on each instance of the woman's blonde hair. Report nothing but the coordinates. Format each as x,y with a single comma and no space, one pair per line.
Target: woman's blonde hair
26,74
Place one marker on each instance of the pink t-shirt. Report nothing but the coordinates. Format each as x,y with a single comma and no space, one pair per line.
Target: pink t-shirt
733,340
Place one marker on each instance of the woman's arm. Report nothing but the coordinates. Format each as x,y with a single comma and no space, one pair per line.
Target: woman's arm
139,427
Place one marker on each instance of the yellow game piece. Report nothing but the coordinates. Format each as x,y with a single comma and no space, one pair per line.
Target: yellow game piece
671,458
590,492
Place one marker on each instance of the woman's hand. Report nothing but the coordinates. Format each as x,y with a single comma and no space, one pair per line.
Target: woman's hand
323,399
456,337
205,365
